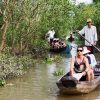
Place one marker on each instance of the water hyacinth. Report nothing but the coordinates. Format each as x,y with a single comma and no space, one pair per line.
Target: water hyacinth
49,60
58,72
2,82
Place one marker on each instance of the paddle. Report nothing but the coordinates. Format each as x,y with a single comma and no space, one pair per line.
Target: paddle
90,43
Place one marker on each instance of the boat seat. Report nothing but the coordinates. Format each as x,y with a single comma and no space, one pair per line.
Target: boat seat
83,78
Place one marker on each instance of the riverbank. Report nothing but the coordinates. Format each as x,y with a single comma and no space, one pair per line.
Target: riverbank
14,66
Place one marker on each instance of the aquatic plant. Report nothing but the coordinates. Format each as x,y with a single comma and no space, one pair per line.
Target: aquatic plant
2,82
48,60
58,72
55,58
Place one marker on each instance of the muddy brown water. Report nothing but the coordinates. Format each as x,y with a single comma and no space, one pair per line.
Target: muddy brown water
40,84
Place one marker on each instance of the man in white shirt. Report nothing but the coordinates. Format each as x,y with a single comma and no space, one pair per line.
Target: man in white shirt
90,34
50,35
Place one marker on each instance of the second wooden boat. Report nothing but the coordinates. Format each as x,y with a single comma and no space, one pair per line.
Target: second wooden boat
58,49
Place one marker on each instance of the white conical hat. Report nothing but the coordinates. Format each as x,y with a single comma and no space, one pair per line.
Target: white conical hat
85,50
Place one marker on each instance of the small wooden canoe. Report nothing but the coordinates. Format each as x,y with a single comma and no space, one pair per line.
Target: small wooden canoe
58,49
69,85
66,49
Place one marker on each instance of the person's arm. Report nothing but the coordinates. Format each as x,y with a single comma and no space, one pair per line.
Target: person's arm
72,66
95,36
81,32
87,65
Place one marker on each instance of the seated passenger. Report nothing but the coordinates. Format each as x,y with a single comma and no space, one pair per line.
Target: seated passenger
91,59
55,43
62,44
79,64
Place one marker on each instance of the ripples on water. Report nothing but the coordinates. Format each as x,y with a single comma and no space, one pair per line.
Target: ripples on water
40,84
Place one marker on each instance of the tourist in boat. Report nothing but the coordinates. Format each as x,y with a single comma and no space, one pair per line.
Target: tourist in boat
50,35
71,37
91,59
57,43
90,34
79,64
61,44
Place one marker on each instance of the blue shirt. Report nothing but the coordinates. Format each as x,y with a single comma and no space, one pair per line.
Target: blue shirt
89,59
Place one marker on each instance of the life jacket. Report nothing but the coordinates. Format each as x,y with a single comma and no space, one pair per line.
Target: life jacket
77,67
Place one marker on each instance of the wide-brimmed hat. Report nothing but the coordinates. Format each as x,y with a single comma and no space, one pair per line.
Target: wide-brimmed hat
85,50
89,20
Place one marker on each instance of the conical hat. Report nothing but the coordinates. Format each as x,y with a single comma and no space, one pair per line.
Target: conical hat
85,50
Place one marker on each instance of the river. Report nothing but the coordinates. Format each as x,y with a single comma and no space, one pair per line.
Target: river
39,83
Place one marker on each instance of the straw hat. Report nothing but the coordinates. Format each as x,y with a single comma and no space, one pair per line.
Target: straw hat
85,50
89,20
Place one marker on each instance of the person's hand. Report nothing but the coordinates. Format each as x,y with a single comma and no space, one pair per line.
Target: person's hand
94,43
77,31
84,73
72,72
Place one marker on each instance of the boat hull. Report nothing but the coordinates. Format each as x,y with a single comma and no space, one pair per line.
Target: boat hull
69,85
57,49
65,49
81,87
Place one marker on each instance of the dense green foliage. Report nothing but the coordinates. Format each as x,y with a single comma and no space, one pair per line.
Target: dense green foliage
25,22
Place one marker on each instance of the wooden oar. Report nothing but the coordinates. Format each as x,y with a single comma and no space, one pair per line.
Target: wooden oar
90,43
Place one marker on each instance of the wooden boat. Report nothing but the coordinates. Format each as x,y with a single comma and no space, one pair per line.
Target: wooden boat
58,49
69,85
62,46
66,49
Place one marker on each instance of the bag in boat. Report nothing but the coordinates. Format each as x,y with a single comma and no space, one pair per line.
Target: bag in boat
69,81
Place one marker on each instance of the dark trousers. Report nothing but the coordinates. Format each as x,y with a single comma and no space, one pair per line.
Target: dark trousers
91,49
51,40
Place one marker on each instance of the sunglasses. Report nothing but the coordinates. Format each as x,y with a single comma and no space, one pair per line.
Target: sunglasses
79,50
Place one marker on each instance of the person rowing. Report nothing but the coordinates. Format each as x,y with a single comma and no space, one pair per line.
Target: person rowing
50,35
71,37
90,33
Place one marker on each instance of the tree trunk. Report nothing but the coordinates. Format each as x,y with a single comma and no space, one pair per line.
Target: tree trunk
3,41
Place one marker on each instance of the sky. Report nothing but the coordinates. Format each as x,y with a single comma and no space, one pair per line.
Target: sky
83,1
